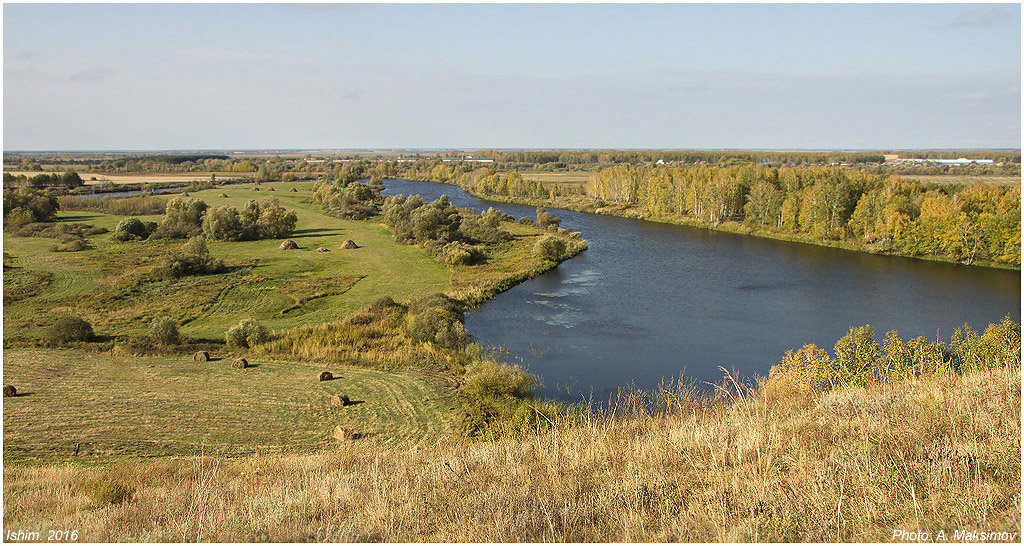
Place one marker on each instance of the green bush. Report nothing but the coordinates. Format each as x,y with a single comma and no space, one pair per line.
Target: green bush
26,205
549,247
133,227
70,328
69,242
183,218
103,491
247,333
459,253
438,326
435,300
194,259
857,356
164,331
492,397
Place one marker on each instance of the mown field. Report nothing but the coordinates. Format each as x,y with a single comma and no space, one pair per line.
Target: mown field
118,406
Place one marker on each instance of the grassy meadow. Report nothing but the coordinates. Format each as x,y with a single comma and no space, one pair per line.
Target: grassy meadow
280,288
770,464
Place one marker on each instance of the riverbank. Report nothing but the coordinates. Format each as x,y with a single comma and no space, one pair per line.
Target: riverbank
590,205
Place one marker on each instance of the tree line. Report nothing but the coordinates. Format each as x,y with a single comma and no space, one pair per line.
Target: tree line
880,214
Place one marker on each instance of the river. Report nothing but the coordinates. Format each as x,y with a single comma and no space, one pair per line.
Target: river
649,301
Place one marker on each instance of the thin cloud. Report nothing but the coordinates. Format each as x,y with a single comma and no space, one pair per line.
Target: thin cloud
92,73
213,54
982,18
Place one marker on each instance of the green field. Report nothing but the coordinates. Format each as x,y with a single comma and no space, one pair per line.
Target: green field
112,404
160,406
280,288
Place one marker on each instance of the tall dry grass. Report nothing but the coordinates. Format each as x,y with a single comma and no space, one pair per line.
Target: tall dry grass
770,462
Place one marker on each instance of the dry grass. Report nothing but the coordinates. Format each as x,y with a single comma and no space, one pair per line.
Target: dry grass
770,464
963,179
116,406
133,178
550,178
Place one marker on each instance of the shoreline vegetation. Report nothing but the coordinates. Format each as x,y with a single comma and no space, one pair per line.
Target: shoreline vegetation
991,216
127,317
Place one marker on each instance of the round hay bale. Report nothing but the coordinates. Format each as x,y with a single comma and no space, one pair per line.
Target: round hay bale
344,434
223,196
326,376
294,190
185,194
255,188
10,391
322,249
340,401
349,244
288,245
201,356
271,188
240,363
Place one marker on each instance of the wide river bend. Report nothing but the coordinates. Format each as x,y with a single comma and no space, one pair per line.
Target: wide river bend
650,301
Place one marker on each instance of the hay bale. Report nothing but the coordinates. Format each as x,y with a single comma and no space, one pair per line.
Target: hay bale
293,190
10,391
344,434
240,363
349,244
288,245
326,376
201,356
255,188
340,401
271,188
322,249
223,196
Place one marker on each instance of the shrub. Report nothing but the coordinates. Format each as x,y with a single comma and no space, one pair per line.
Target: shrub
438,326
857,356
247,333
224,224
545,219
194,259
436,300
70,328
164,331
103,491
183,218
131,229
492,394
69,243
26,205
549,247
459,253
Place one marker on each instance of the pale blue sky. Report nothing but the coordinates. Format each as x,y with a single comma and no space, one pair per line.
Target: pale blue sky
145,77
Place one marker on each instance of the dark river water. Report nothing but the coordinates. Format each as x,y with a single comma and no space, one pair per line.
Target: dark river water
650,301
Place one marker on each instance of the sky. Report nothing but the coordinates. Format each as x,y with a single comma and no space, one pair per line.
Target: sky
471,76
